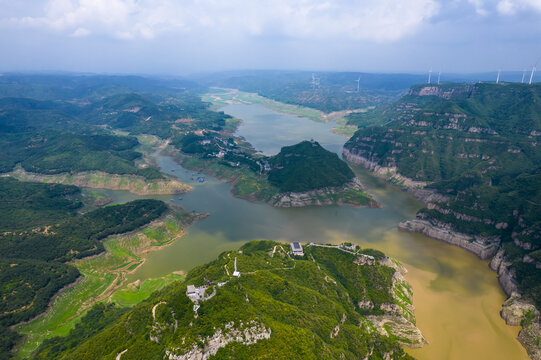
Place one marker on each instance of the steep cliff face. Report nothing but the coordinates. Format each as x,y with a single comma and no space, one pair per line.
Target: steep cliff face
517,311
484,248
471,153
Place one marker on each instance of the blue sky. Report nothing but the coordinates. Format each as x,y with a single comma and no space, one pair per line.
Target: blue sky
181,37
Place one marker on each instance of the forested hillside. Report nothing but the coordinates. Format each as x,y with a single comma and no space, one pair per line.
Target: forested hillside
307,166
476,147
320,306
41,231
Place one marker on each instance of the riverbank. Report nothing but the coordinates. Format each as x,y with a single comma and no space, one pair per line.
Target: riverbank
222,97
104,278
352,193
250,186
101,180
483,247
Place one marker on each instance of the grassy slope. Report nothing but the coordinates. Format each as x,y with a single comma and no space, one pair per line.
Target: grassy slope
104,280
100,180
302,301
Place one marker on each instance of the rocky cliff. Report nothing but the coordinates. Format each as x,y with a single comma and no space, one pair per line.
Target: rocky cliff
352,193
471,154
482,247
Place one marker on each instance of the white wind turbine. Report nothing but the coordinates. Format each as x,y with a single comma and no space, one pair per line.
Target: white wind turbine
533,72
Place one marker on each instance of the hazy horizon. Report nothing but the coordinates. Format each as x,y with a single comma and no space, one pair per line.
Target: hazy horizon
166,37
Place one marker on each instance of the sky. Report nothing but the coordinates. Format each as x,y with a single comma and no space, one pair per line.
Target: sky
186,36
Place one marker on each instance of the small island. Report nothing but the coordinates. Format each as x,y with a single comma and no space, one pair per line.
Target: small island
265,300
307,174
304,174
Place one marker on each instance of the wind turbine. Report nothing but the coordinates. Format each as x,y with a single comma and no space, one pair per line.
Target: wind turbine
429,75
523,74
533,72
358,82
439,75
498,77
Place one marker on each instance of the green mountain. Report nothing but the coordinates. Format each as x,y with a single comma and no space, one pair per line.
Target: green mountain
307,166
331,303
475,151
40,232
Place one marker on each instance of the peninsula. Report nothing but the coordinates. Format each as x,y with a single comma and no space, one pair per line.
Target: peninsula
326,302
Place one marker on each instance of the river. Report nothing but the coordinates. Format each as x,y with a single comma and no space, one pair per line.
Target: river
457,297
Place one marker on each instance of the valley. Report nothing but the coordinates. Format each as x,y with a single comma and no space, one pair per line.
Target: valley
270,180
451,282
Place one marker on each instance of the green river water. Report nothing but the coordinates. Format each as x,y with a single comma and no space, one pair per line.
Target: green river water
457,296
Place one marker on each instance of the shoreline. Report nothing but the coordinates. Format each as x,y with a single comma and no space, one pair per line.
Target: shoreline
102,277
338,117
484,250
317,197
515,310
101,180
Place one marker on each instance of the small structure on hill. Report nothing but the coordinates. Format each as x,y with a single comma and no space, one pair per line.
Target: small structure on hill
296,249
347,246
196,293
236,273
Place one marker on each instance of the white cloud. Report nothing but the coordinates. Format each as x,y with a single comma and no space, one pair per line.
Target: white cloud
505,7
81,32
479,6
374,20
510,7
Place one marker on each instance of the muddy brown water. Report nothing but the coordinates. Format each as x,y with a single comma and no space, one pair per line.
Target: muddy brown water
456,295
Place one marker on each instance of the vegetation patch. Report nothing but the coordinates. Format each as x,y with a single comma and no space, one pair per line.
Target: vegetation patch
104,279
280,306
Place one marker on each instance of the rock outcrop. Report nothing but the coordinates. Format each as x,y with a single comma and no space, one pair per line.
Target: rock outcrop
442,92
519,312
515,310
398,320
319,197
482,247
388,173
530,338
505,274
247,334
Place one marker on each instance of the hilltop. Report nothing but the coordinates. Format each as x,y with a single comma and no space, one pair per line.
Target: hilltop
299,175
307,166
333,302
307,174
471,153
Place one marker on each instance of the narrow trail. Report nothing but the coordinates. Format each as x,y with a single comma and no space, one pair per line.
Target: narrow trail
154,309
119,355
